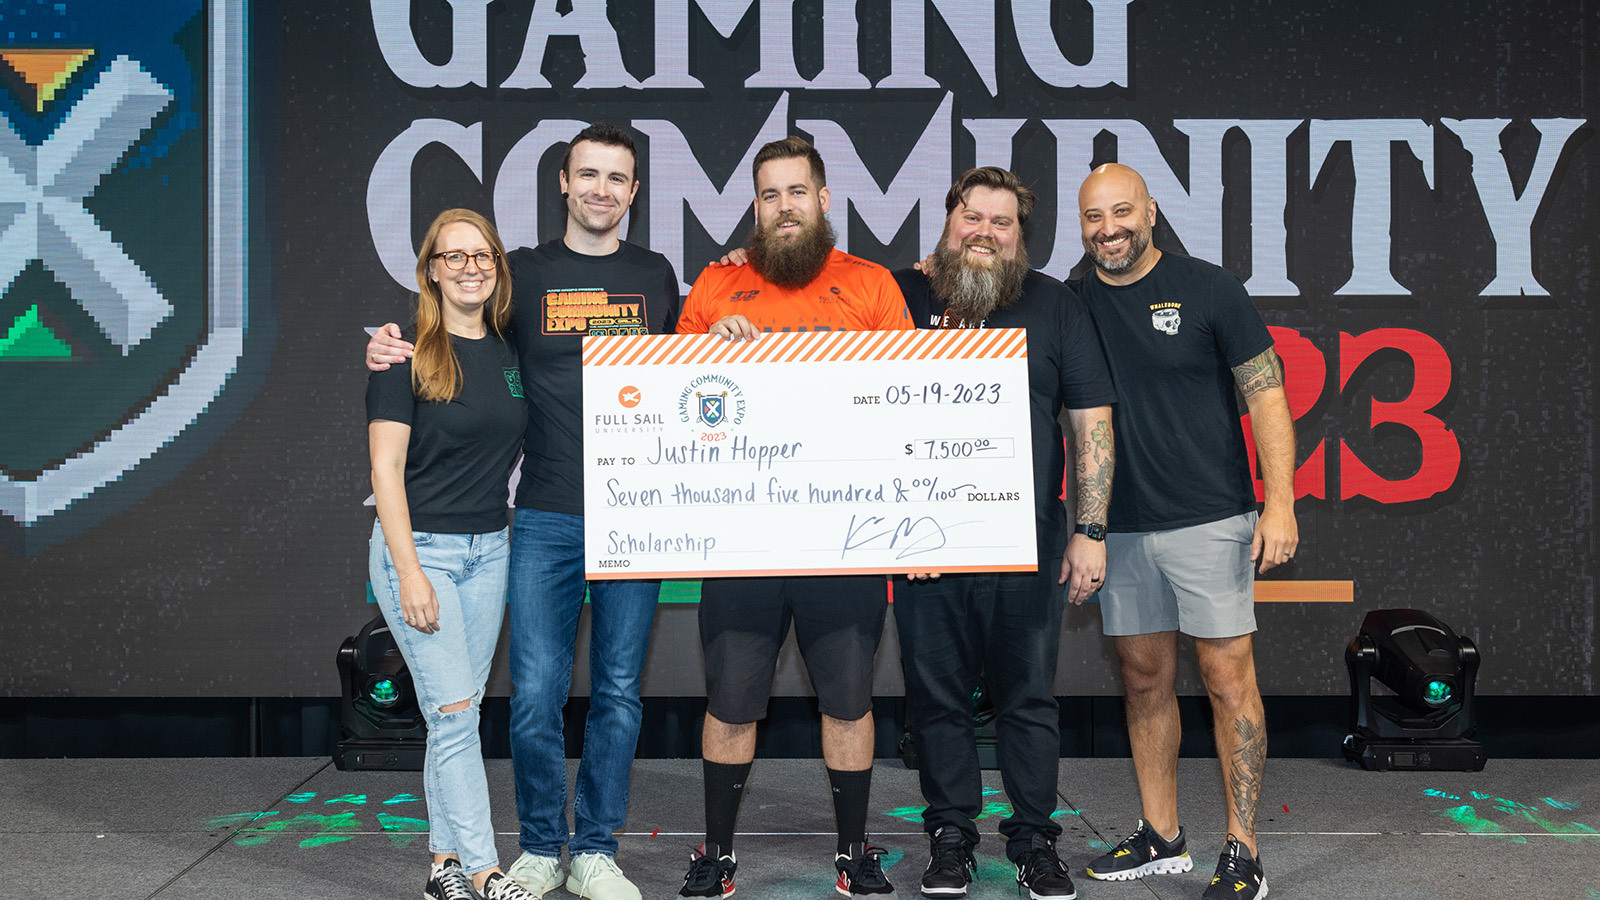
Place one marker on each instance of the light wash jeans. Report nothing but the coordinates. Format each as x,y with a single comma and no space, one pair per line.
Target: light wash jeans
468,573
547,589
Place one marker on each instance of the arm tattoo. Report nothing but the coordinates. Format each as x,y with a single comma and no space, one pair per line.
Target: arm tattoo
1248,763
1259,373
1094,467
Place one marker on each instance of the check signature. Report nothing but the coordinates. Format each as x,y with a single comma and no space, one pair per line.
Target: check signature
910,536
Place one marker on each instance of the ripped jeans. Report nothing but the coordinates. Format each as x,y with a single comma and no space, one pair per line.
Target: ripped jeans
468,573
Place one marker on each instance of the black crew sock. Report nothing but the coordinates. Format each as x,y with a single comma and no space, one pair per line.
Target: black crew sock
850,793
724,786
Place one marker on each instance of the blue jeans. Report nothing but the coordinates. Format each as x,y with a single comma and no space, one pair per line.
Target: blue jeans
547,590
468,574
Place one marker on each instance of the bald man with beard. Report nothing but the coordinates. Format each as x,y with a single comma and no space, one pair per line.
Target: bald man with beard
1183,340
1006,627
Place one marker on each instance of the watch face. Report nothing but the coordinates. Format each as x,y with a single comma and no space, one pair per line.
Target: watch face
1093,531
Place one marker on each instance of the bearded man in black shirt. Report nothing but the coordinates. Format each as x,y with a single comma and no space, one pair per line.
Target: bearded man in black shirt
1006,627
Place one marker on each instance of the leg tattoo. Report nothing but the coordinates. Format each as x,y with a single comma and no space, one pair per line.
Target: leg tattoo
1247,765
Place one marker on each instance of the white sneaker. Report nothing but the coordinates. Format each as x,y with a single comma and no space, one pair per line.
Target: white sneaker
595,876
538,875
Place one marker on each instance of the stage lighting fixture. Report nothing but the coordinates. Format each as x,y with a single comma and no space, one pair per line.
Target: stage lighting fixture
1429,721
380,723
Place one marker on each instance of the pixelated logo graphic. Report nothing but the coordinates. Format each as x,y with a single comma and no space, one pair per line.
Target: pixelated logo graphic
123,235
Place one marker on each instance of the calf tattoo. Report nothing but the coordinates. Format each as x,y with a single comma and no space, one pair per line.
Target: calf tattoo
1248,762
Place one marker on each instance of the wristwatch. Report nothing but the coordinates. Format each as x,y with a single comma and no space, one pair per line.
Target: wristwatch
1094,531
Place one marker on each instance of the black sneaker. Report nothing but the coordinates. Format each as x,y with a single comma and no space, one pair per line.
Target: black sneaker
499,887
710,873
861,872
448,881
1143,853
1239,875
951,867
1041,874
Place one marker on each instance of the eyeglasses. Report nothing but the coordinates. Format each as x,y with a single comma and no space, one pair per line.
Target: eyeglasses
455,259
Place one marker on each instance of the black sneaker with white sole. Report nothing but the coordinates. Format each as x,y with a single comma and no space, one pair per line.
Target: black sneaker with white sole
1041,874
1142,853
448,881
861,872
1239,875
499,887
951,867
710,873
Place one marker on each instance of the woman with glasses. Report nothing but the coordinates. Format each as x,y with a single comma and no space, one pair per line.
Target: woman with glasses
444,430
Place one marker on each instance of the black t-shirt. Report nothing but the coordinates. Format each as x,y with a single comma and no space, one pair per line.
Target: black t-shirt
461,452
560,296
1172,339
1065,370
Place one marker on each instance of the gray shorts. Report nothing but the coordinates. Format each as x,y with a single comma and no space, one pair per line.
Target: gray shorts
1196,580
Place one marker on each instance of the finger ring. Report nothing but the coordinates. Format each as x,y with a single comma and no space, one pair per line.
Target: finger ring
1094,579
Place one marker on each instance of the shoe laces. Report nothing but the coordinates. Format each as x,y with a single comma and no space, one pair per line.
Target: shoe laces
1141,835
504,888
598,866
704,871
1039,860
453,881
868,866
950,851
1233,863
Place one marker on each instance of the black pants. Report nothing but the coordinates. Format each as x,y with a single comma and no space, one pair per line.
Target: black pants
1006,626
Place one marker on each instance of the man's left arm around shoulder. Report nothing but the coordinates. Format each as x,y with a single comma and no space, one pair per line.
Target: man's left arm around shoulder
1083,566
1260,380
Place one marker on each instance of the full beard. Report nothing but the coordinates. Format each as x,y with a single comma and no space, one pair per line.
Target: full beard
1138,243
791,264
972,292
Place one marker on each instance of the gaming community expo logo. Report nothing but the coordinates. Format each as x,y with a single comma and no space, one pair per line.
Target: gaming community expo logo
711,401
123,234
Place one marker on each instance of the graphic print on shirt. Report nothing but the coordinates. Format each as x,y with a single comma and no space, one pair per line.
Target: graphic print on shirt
583,311
1164,317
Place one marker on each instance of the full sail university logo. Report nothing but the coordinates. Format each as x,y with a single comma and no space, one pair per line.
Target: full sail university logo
123,235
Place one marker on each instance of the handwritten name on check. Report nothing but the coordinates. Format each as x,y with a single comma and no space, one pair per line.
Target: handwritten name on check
809,453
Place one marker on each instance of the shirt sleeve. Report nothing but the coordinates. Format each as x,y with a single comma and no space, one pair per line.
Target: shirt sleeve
1085,377
892,314
674,303
1241,334
389,395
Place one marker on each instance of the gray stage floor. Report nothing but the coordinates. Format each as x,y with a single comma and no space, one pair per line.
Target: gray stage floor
298,828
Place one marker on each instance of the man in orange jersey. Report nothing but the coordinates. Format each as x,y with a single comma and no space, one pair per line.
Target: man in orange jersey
796,280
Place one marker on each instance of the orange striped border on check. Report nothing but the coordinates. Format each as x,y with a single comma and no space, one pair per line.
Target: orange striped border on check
805,346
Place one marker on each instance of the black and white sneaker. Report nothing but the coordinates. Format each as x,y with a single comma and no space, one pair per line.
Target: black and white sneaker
1239,875
1040,873
861,872
710,873
951,867
448,881
499,887
1143,853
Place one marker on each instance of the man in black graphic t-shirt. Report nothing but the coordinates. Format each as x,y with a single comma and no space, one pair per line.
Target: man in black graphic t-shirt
1182,337
588,282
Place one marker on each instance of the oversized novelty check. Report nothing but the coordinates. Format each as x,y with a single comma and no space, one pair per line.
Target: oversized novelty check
809,453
